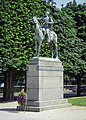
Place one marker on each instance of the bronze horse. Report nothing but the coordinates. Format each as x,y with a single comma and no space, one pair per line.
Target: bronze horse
39,37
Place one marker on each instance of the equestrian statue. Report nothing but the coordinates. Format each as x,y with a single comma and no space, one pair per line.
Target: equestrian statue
44,32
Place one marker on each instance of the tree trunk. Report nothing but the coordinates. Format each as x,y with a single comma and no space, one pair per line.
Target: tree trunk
78,86
8,86
25,81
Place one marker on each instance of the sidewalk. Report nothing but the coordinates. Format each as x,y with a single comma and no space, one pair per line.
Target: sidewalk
8,112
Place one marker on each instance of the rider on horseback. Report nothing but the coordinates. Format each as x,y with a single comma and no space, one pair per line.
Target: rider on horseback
47,23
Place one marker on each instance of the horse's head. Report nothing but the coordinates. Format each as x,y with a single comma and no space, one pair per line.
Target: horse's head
35,19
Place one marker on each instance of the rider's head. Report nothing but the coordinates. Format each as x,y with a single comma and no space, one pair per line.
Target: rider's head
47,13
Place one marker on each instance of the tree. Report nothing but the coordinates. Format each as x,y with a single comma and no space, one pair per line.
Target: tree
17,31
77,63
17,45
80,18
78,12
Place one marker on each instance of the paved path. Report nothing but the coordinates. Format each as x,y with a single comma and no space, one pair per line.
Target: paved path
8,112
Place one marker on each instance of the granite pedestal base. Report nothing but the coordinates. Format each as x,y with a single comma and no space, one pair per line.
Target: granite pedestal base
45,84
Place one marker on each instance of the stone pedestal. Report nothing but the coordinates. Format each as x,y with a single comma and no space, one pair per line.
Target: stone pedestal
44,84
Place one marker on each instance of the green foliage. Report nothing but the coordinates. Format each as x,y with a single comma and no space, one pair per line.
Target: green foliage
16,38
78,12
74,55
17,31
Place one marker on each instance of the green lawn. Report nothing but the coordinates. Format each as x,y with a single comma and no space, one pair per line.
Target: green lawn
79,101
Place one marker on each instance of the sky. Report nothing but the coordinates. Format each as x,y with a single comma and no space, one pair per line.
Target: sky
59,2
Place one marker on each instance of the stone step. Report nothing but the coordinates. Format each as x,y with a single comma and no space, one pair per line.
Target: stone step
47,102
43,108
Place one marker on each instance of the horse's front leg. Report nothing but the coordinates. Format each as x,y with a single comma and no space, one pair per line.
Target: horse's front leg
36,45
39,48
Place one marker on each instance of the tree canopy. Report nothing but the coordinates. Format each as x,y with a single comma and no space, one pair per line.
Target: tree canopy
17,45
16,37
17,31
78,14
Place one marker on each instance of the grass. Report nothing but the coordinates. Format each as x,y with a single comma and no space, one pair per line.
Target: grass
78,101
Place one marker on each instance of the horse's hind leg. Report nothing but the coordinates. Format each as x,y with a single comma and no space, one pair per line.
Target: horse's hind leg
56,51
38,48
51,46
